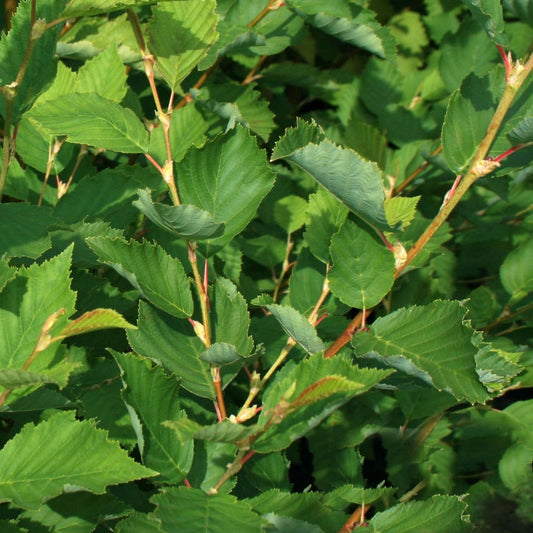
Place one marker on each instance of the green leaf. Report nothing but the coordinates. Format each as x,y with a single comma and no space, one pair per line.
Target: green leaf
521,8
363,267
224,431
212,178
78,512
172,343
180,35
298,327
477,54
11,378
348,22
159,277
308,507
516,272
401,210
186,509
93,120
26,306
325,216
187,221
237,104
93,321
42,62
221,353
440,514
317,386
152,398
290,212
104,75
351,179
522,133
490,15
81,8
468,115
188,128
7,273
232,319
300,136
430,342
72,455
24,230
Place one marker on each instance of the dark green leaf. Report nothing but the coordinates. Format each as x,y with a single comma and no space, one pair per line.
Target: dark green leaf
490,15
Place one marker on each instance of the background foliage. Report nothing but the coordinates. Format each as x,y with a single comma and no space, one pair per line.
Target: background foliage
266,266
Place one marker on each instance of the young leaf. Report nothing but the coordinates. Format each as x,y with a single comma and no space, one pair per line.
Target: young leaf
300,136
159,277
440,514
290,213
430,342
352,180
180,35
317,386
93,120
152,398
187,221
298,327
171,343
24,230
401,210
71,454
363,267
93,321
214,179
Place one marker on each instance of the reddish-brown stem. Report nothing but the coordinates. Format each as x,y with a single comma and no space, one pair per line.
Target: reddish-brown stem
356,519
346,336
507,153
220,397
248,456
186,483
507,61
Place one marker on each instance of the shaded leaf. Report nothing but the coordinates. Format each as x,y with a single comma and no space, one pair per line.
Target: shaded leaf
522,133
86,460
489,14
516,272
24,230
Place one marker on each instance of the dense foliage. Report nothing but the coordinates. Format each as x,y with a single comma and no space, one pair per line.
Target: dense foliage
266,266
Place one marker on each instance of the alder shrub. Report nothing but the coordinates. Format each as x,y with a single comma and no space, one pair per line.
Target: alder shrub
266,266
